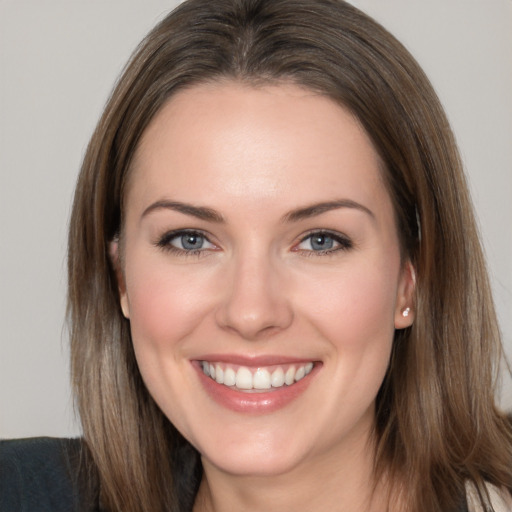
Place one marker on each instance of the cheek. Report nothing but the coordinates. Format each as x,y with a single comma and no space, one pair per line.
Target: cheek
356,318
165,305
354,310
354,313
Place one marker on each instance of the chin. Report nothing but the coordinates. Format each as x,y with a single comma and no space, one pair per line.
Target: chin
253,461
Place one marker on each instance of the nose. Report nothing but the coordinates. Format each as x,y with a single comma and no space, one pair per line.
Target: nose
255,304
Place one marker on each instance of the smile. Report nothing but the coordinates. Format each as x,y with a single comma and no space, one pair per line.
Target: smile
246,379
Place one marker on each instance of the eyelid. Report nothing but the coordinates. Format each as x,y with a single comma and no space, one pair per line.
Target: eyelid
163,242
345,242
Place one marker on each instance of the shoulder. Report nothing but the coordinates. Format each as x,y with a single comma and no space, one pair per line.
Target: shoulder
40,474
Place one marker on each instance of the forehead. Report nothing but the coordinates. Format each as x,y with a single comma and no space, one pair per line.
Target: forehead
230,143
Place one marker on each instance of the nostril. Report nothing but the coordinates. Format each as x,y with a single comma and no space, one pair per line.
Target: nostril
254,324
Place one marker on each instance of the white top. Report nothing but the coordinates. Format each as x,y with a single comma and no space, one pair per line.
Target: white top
500,500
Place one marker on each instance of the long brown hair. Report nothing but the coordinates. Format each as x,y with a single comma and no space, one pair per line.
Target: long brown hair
437,424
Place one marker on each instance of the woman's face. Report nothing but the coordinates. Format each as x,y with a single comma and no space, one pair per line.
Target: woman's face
260,247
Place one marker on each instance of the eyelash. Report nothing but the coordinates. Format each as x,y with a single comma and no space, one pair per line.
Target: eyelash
164,243
345,244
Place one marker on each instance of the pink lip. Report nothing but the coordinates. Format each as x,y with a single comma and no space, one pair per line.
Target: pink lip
258,402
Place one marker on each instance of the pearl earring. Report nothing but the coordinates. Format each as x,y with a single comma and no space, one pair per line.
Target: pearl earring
405,312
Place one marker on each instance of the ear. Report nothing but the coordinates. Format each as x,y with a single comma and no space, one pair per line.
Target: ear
113,251
404,309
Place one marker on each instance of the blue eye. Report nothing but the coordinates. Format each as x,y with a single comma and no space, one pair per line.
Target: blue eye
186,242
321,242
189,241
324,243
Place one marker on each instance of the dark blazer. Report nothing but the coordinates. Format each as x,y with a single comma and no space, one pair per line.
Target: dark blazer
42,475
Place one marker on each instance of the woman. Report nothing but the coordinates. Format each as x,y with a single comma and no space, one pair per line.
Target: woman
277,294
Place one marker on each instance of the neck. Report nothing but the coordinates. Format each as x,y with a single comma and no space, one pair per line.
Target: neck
338,480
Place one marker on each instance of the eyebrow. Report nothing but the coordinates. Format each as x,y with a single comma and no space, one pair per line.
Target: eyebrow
199,212
318,208
211,215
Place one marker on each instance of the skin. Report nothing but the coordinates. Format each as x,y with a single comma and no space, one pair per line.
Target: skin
257,287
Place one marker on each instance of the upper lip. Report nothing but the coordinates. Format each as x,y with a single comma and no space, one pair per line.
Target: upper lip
253,361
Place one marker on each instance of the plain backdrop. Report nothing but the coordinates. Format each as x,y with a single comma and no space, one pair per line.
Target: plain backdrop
58,62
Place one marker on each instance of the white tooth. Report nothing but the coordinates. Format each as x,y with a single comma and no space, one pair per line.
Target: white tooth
219,374
289,377
301,372
309,367
206,368
277,379
261,379
212,371
243,378
229,377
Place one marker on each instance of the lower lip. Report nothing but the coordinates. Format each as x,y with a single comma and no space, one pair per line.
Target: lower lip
260,402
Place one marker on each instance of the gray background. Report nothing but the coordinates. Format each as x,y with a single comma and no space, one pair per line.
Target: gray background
58,62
